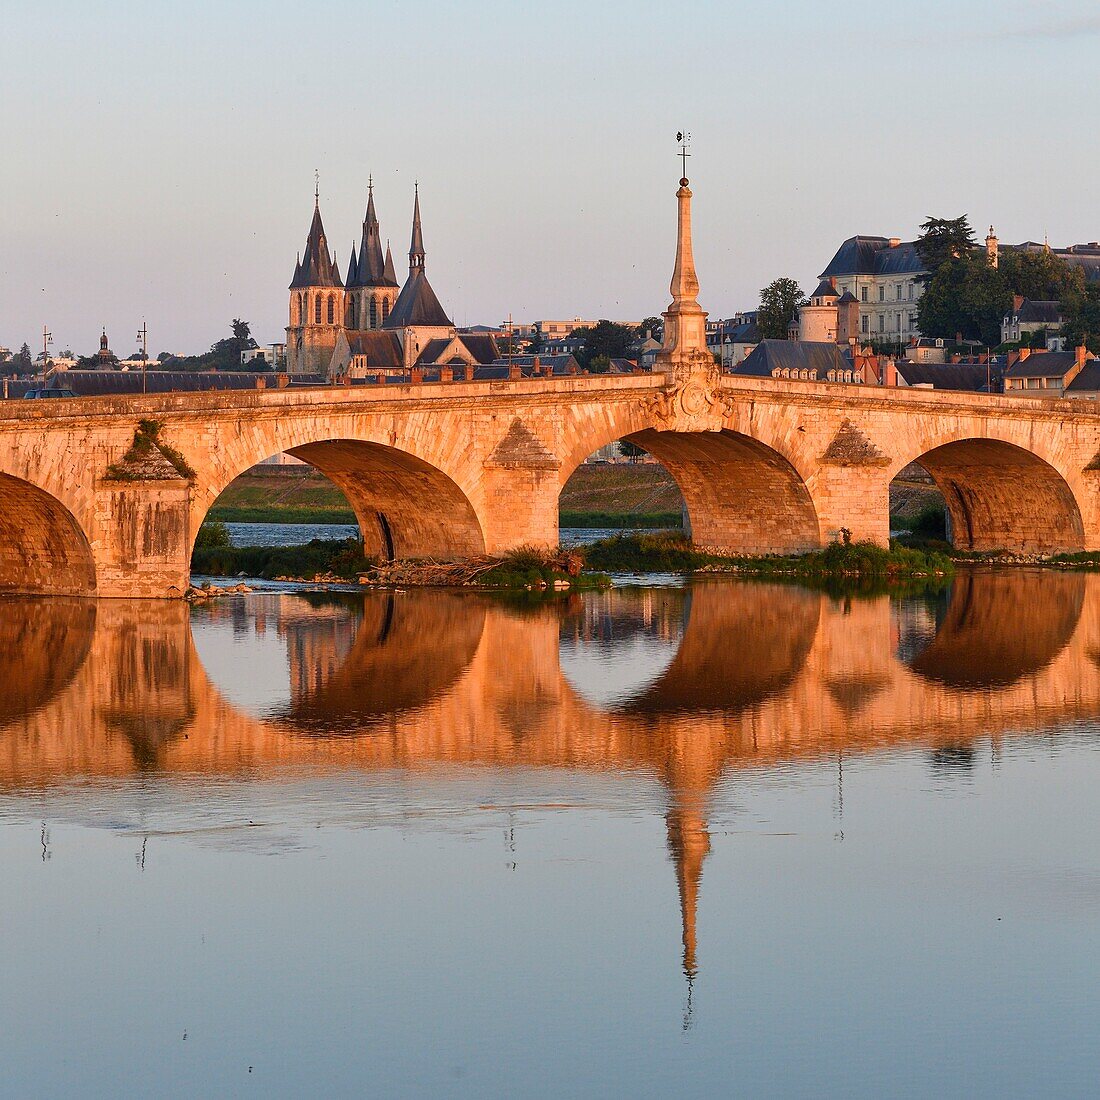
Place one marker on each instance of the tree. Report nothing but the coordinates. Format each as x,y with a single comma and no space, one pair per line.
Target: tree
536,342
966,296
631,451
601,364
653,325
242,331
1083,326
1044,277
780,301
22,360
942,240
606,340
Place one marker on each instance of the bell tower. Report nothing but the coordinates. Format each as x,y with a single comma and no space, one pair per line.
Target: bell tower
317,303
371,285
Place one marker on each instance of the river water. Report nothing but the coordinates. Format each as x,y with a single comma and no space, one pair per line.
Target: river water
717,839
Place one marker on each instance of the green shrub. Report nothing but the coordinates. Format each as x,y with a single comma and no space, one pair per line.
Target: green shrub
212,536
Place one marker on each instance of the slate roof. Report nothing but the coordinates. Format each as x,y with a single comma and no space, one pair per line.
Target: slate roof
104,383
417,304
960,377
794,355
382,348
318,268
1032,312
874,256
559,366
481,345
1047,364
1088,381
825,289
370,270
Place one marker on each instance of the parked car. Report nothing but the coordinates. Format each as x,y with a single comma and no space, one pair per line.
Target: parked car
32,395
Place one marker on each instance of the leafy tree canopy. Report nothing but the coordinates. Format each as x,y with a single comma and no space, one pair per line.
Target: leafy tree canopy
1044,277
780,301
944,239
630,450
607,340
965,296
1083,326
655,326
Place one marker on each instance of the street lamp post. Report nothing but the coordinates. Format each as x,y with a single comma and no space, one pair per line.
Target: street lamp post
47,339
143,336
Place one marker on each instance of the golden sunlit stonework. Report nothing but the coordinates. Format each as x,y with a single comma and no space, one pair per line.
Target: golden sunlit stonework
455,468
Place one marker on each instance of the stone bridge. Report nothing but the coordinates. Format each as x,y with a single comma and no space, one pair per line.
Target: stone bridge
447,470
459,468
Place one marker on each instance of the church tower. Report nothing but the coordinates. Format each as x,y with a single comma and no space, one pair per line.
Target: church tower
317,304
417,312
371,286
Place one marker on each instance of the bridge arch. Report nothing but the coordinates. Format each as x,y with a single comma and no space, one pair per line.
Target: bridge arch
1001,495
43,548
406,505
742,495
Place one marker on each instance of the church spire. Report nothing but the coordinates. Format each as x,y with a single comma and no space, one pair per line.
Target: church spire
317,269
416,248
371,270
389,272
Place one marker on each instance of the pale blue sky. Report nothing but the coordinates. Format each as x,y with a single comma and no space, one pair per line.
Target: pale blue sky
158,158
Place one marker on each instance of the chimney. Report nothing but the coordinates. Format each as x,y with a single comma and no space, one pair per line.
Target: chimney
416,376
1017,301
282,381
832,281
890,372
538,366
514,372
1024,353
446,374
261,383
894,242
956,358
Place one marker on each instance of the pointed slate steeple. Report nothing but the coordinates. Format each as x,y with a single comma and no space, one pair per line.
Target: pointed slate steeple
389,273
371,270
317,269
416,248
353,269
417,303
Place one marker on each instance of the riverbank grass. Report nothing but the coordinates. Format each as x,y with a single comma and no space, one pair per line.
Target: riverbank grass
672,553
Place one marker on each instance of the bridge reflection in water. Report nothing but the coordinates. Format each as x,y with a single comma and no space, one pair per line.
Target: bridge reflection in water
684,685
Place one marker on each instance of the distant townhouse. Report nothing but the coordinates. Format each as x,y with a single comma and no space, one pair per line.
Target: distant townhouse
732,339
1029,317
1037,373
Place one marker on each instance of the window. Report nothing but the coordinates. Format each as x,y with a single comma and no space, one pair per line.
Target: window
882,294
863,324
863,294
374,312
385,308
331,309
317,309
882,322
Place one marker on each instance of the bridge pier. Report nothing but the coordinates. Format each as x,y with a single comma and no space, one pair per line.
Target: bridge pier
854,499
142,545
